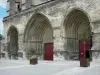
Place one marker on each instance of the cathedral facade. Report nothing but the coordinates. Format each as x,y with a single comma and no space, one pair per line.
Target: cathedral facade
51,29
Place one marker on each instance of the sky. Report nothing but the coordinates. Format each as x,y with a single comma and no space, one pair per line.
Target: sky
2,13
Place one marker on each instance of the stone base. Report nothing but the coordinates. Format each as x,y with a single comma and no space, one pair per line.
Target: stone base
61,55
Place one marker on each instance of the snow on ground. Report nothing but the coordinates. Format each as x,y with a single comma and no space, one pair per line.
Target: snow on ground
22,67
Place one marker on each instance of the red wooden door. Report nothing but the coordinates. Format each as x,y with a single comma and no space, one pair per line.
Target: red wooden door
49,51
83,47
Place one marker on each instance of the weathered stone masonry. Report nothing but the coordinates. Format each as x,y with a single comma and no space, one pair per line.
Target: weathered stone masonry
56,12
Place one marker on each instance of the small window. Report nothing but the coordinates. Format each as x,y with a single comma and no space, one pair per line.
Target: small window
18,6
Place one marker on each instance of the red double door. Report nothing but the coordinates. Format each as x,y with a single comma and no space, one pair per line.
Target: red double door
84,45
48,51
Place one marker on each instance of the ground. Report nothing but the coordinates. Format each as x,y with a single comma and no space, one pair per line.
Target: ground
22,67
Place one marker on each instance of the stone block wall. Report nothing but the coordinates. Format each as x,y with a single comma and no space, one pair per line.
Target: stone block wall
56,12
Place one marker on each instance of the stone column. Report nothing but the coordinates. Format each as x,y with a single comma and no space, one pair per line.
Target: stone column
96,36
96,40
57,39
59,48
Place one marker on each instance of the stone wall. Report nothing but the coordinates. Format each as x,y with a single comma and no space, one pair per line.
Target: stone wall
56,12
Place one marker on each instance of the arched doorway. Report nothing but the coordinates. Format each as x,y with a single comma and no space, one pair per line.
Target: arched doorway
39,37
77,28
12,40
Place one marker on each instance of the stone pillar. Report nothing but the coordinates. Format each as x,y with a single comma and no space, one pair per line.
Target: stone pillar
96,40
58,42
59,49
96,36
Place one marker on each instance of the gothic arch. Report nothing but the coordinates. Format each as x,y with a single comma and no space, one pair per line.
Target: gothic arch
76,23
31,20
12,27
38,32
72,9
12,40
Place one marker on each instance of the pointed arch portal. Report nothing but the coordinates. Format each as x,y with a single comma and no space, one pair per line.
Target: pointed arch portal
39,37
77,28
12,39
